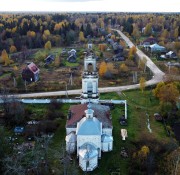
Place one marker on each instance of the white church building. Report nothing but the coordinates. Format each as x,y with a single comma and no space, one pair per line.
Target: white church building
89,125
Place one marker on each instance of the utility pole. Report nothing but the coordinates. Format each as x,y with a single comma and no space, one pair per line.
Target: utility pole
14,80
25,85
66,91
70,80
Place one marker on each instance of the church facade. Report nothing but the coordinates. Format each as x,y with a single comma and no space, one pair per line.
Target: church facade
89,125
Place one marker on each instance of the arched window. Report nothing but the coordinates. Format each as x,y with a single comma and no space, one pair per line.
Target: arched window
90,67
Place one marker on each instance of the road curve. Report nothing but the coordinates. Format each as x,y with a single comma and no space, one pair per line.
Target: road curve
157,77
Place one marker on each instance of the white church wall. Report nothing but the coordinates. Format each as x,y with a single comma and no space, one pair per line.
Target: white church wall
68,130
107,131
107,146
95,139
70,147
88,166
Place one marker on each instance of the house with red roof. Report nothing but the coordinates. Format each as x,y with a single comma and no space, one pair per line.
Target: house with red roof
30,73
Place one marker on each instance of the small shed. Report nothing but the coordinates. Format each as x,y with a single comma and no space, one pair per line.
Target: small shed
30,73
171,54
49,59
124,134
18,130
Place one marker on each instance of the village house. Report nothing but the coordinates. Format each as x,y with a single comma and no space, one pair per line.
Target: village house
171,54
157,48
49,59
72,56
30,73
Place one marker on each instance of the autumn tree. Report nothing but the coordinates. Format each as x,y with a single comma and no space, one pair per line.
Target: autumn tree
102,47
132,52
13,49
47,45
123,69
148,29
46,34
5,58
142,83
177,46
122,43
81,36
143,152
142,63
176,33
171,162
168,93
157,89
102,69
136,33
164,35
113,37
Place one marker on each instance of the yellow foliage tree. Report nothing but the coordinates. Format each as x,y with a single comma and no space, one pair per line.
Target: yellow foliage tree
157,89
31,34
46,34
5,58
15,68
169,93
143,153
113,37
102,47
176,33
102,68
110,67
132,52
47,45
122,43
13,49
136,33
81,36
142,83
148,29
123,68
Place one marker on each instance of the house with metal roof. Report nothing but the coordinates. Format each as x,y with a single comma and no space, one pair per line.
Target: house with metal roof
157,48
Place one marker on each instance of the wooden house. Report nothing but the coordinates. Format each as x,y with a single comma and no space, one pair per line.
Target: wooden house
49,59
30,73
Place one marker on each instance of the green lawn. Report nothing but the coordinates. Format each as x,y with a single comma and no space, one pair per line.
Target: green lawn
138,104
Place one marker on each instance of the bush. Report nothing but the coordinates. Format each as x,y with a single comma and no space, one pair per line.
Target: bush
108,75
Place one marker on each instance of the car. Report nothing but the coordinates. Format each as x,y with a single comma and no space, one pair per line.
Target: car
158,117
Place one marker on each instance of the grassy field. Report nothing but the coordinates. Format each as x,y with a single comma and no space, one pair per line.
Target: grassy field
138,105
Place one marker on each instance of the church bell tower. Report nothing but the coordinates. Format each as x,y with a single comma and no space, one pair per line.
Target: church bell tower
90,77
